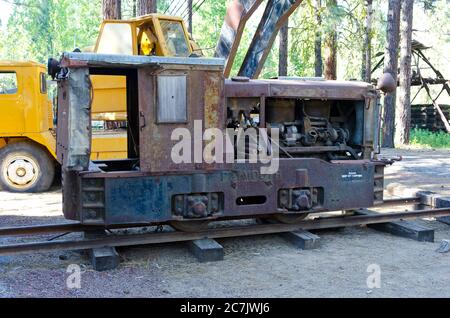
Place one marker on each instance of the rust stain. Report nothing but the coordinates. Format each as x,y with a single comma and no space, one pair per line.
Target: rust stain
212,100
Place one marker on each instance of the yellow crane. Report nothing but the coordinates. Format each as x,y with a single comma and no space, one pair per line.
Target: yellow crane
27,130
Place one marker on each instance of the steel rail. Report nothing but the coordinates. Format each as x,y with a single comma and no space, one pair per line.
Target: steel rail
42,229
78,227
230,232
62,228
399,201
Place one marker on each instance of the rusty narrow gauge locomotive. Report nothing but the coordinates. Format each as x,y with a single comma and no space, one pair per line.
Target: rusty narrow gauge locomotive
327,140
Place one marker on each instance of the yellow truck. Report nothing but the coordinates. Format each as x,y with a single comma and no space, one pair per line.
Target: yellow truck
27,134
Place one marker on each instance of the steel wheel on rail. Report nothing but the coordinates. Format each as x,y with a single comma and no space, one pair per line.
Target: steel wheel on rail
290,218
190,226
25,167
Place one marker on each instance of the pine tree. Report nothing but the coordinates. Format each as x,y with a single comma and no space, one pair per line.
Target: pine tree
403,111
390,66
112,9
146,6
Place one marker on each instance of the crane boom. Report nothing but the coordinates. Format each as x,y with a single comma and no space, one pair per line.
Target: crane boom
275,16
238,13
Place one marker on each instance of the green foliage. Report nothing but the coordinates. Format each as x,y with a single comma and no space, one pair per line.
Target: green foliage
301,37
207,24
38,29
425,138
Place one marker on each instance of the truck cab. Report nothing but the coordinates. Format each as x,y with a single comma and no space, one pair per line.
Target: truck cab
28,132
27,137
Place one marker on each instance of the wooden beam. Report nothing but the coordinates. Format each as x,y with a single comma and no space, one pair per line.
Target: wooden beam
207,250
407,229
302,239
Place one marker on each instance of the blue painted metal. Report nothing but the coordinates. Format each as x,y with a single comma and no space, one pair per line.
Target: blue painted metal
148,199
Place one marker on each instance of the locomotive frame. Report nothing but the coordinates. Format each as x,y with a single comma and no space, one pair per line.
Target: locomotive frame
337,170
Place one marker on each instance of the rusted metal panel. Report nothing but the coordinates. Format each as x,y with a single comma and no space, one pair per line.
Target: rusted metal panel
249,89
74,121
300,89
82,60
214,100
71,190
205,104
62,133
214,113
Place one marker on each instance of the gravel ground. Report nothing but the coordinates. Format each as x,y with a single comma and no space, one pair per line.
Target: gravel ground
264,266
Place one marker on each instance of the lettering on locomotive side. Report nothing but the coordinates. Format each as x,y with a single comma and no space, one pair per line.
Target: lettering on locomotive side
352,176
254,176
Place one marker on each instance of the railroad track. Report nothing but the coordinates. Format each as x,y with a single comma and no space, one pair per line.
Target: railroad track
120,240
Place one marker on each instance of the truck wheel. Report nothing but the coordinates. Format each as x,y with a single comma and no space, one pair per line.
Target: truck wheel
25,167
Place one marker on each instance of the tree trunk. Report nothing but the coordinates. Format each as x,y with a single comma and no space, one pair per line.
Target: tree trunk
330,43
283,54
366,73
318,64
403,112
390,66
146,7
112,9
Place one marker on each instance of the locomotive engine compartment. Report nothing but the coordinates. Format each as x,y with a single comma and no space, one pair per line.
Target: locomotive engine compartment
326,129
328,140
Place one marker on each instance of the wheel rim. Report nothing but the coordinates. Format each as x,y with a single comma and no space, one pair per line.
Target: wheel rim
20,172
290,218
189,226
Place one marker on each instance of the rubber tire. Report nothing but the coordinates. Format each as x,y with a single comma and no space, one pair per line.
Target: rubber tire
45,163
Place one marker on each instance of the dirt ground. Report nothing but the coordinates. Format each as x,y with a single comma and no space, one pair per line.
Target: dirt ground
265,266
